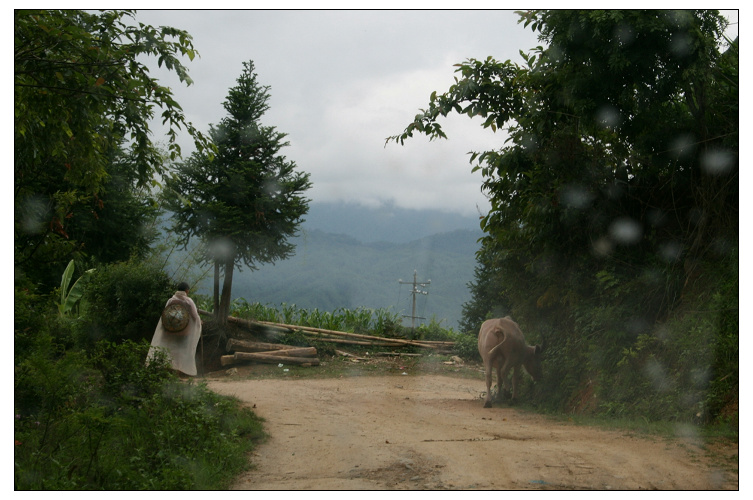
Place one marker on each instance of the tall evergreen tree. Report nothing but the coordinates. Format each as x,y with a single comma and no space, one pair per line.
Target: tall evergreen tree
245,202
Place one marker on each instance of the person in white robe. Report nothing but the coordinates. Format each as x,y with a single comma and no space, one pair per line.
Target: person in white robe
180,346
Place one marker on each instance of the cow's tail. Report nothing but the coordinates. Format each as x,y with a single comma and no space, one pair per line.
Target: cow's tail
491,351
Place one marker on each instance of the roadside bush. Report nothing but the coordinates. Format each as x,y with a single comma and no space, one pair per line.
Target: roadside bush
124,301
123,377
31,315
434,331
610,355
723,393
387,324
108,421
466,346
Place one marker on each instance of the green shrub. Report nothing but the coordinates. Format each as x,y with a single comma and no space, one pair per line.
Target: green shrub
31,315
434,331
466,346
723,393
122,371
387,324
124,302
29,310
109,421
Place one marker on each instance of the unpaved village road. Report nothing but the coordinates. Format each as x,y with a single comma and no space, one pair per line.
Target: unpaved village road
430,432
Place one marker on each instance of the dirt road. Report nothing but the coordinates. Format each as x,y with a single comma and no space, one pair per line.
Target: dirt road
430,432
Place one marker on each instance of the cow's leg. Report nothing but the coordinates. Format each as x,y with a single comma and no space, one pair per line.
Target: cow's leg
488,370
505,381
515,382
500,379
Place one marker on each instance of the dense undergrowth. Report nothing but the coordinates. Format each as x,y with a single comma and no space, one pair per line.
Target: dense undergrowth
615,352
89,414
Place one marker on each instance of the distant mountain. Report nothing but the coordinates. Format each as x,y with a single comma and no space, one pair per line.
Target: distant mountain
330,271
350,256
386,223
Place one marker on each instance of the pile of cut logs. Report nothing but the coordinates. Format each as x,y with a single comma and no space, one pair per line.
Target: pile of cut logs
262,352
322,335
244,350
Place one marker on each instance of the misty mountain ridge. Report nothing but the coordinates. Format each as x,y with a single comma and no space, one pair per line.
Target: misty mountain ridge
332,271
348,256
385,223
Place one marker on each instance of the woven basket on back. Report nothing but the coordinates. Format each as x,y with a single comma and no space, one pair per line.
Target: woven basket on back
175,318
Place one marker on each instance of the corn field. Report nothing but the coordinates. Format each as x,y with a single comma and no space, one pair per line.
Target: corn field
382,322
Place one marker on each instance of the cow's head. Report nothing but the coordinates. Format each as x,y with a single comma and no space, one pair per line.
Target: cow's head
533,361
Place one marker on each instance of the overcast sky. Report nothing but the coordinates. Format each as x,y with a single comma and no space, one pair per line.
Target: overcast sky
343,81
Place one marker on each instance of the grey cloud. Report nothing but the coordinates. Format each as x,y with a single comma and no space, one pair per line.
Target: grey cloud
342,81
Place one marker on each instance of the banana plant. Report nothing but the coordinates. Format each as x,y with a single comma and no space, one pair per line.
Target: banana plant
70,296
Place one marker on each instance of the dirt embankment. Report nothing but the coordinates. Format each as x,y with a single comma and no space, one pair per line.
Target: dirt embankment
431,432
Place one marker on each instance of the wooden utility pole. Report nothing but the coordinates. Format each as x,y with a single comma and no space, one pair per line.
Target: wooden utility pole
415,291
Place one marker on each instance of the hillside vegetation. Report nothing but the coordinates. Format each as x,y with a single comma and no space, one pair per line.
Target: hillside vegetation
331,271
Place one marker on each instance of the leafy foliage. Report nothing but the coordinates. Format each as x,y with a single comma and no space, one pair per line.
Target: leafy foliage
466,346
125,301
487,298
70,296
83,101
617,186
108,421
119,223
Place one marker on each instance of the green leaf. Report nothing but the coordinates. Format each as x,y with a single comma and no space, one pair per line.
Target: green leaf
77,291
67,274
69,298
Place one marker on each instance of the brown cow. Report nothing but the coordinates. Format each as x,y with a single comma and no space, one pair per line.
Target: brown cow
502,347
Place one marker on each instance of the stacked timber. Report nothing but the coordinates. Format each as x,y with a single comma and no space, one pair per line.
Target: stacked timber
334,336
279,353
262,352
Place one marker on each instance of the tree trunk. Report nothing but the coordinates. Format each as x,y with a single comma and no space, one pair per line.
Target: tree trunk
227,285
216,290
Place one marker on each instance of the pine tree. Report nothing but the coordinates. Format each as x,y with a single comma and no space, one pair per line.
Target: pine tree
246,201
